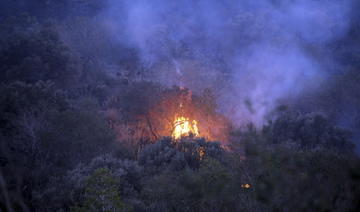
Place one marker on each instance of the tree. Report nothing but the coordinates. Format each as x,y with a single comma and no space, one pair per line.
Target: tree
307,131
101,194
31,52
298,167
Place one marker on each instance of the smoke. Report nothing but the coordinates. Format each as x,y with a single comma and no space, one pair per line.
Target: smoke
254,54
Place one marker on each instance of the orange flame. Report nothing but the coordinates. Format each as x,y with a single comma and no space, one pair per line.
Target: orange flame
184,127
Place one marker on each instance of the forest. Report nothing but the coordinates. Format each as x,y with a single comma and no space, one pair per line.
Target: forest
189,105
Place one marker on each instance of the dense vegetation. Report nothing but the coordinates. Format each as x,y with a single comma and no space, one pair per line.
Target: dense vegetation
59,150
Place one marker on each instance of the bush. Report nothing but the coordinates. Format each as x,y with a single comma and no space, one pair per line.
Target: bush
167,154
66,190
101,193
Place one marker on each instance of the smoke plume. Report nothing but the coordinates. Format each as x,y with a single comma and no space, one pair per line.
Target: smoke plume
253,54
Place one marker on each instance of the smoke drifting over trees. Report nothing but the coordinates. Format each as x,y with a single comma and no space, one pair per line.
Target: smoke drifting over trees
89,91
255,55
254,52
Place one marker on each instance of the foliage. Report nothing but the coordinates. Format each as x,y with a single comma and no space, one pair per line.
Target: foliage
101,193
41,129
172,155
187,188
62,113
308,131
315,180
30,52
69,188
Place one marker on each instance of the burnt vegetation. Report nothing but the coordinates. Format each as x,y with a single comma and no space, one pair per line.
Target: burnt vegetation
75,136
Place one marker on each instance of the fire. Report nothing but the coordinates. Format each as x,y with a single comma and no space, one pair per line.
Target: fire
179,114
247,186
184,127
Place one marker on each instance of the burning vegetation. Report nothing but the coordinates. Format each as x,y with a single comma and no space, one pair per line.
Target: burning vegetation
181,114
89,120
174,112
184,127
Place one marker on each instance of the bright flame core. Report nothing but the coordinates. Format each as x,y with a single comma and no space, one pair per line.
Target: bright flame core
184,127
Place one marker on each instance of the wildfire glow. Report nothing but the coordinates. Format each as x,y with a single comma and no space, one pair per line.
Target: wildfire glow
184,127
247,186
